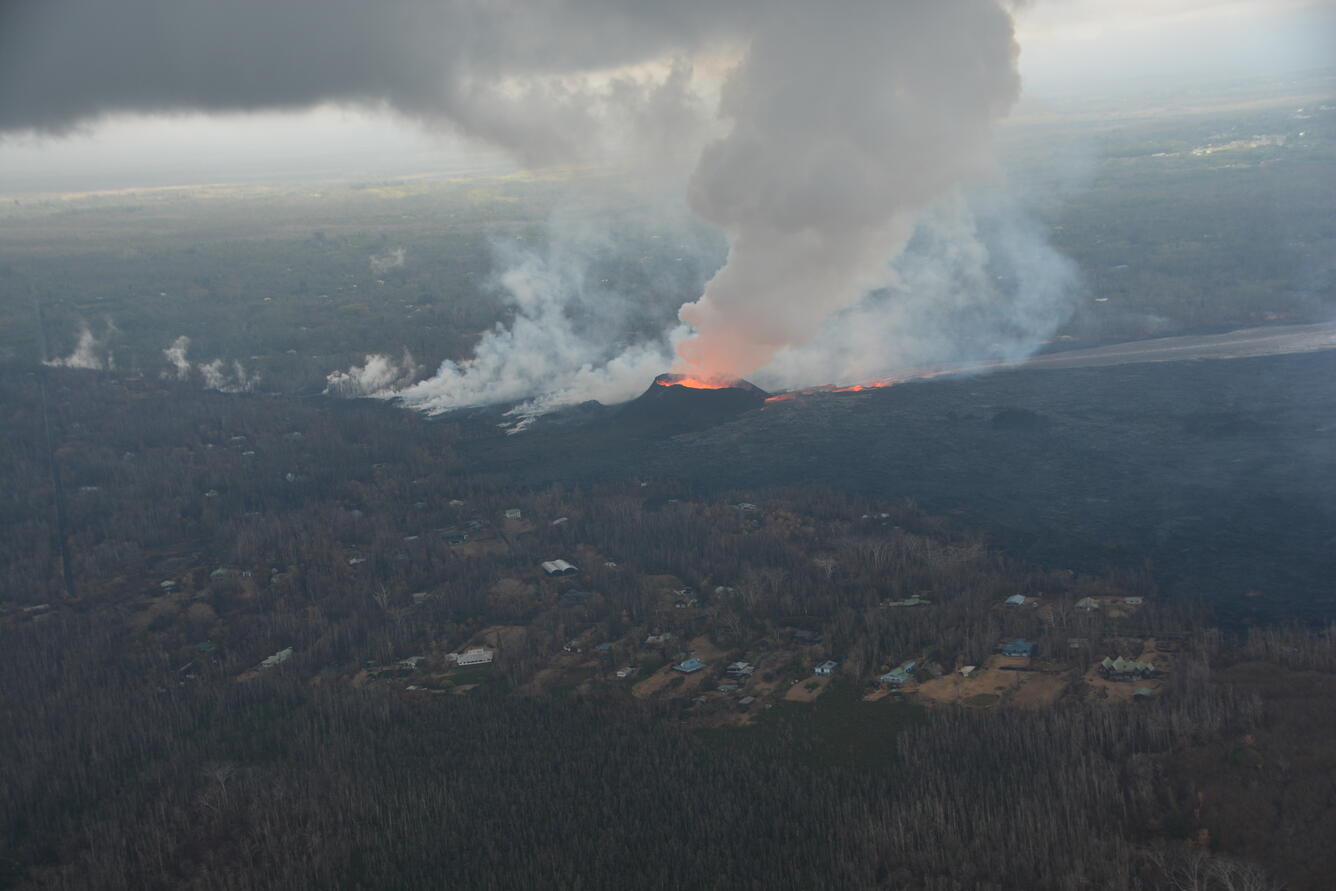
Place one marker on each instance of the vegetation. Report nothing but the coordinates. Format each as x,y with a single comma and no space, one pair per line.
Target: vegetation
151,748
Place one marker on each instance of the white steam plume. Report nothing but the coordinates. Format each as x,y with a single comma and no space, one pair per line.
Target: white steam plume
176,354
378,375
217,376
845,127
575,335
386,260
90,352
960,295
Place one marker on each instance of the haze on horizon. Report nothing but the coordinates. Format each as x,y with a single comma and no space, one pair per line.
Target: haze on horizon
1087,50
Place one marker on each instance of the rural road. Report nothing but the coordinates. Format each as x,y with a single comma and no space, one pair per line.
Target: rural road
1268,341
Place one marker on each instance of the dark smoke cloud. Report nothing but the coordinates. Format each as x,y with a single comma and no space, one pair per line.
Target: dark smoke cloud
509,72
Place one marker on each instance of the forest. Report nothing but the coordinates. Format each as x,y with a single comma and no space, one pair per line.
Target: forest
204,532
1010,633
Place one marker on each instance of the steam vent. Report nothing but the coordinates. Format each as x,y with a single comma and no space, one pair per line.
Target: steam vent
675,401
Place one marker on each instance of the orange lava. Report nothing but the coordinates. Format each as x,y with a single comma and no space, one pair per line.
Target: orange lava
831,388
693,383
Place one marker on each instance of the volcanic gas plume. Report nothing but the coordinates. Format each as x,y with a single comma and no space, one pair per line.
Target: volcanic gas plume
843,129
837,125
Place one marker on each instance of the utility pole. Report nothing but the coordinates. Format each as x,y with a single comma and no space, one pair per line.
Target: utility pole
57,487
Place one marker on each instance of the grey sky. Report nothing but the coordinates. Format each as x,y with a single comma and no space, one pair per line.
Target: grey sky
85,67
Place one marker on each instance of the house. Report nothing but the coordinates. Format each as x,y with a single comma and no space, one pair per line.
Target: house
411,663
1143,693
728,689
656,639
826,668
746,702
968,670
625,672
739,670
899,676
561,521
513,513
1018,647
746,506
1121,669
472,656
690,665
559,567
1134,601
1015,600
1087,604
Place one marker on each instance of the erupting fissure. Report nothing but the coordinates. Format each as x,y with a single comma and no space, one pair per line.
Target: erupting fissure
692,383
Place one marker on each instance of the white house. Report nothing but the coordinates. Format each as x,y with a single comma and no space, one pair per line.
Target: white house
473,656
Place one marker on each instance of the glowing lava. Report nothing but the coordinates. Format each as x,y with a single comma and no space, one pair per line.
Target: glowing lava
831,388
692,383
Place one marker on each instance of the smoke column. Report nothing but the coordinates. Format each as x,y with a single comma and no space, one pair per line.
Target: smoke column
838,125
844,128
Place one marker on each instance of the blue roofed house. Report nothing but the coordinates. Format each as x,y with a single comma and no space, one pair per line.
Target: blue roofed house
690,665
1015,600
1018,647
900,675
826,668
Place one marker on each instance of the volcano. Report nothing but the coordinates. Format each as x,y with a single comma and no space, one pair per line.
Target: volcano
676,402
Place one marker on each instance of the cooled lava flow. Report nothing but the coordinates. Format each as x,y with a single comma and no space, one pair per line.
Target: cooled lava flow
675,402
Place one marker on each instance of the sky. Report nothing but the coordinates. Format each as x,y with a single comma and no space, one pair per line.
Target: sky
1088,48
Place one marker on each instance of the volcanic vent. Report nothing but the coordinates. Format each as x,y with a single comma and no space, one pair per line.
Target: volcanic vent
678,402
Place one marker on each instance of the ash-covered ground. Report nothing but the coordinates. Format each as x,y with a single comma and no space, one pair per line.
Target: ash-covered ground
1217,476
